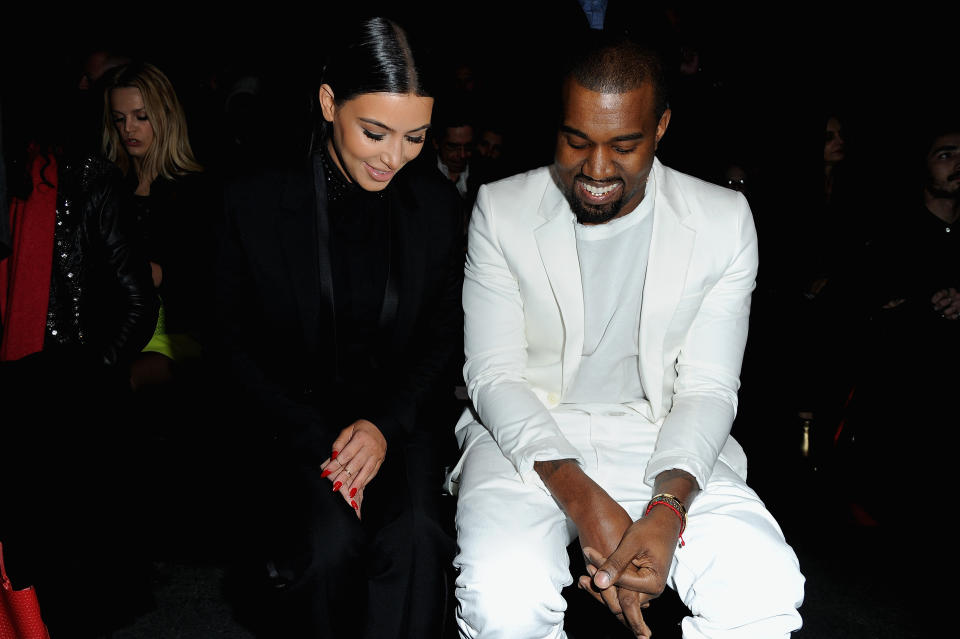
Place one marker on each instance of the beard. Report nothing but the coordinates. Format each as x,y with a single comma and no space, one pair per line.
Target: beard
591,213
948,190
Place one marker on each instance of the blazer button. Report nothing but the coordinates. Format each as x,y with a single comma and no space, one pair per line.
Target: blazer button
553,398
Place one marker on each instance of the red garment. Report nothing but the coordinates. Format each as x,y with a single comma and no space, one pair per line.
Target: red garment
25,274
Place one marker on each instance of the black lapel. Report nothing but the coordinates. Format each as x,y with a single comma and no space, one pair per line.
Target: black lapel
408,257
327,324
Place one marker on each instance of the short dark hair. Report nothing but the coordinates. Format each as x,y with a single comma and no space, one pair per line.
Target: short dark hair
937,123
376,56
613,63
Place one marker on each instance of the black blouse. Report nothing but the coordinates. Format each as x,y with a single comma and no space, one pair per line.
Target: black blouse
360,262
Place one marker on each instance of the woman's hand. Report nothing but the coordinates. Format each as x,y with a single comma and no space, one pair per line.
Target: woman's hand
357,454
156,272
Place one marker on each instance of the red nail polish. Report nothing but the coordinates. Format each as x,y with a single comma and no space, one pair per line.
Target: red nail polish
334,455
353,491
354,504
337,486
325,473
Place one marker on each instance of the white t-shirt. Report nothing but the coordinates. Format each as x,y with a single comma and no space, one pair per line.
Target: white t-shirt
613,264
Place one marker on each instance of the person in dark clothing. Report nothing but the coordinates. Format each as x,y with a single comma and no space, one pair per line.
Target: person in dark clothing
338,309
76,306
174,204
902,408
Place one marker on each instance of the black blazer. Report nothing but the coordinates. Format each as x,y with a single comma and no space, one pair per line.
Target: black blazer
275,312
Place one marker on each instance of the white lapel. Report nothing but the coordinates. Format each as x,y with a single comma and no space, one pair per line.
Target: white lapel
557,244
671,246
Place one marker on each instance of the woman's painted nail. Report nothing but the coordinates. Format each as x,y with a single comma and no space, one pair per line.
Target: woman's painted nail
337,485
353,491
334,455
354,504
325,473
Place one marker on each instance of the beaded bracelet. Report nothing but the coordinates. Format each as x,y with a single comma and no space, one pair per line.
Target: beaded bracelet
671,502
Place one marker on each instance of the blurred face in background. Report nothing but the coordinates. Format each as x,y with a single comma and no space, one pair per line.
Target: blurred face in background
490,145
455,148
943,166
132,122
833,146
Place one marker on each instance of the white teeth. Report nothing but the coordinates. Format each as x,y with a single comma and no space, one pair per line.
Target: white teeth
601,191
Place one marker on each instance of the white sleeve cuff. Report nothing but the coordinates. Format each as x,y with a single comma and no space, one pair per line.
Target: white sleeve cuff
678,461
556,447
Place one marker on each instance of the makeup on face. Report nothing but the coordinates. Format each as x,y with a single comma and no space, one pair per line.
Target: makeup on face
131,120
374,135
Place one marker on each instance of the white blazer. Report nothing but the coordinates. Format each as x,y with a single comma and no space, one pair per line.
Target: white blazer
523,333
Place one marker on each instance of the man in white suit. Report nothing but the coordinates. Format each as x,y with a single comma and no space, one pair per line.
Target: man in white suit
606,302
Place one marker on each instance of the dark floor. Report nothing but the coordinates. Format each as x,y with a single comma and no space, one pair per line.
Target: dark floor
863,581
853,588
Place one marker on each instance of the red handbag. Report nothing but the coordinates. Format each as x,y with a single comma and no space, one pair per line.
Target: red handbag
19,610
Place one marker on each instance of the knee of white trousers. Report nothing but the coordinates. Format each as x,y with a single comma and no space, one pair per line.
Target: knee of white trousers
508,595
507,611
749,587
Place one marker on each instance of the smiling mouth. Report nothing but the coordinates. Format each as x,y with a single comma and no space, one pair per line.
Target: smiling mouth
377,174
599,194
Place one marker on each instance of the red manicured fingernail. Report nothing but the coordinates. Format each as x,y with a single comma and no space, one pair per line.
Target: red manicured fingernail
353,491
334,455
354,504
337,486
325,473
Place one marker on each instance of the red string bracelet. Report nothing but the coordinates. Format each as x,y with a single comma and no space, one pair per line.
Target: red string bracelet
673,504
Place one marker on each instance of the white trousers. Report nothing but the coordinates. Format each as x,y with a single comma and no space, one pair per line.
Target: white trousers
736,573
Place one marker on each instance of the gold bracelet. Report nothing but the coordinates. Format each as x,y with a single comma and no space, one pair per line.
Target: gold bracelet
674,504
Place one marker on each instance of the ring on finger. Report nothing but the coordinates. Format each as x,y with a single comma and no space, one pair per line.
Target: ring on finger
347,471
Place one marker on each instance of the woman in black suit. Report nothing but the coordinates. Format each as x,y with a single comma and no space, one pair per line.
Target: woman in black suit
338,302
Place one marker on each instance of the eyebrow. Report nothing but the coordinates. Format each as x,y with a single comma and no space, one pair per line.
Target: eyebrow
944,147
384,126
620,138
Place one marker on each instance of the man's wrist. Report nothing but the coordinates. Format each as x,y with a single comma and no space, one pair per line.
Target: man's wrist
667,509
678,483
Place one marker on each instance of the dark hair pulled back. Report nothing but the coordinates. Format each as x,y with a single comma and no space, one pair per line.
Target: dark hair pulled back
376,57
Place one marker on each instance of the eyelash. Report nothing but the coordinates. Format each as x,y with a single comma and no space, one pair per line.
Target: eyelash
377,137
121,118
618,149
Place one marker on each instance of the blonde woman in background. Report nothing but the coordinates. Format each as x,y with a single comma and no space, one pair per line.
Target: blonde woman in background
145,135
173,203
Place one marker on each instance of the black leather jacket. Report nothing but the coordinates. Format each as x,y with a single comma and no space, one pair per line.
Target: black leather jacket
101,291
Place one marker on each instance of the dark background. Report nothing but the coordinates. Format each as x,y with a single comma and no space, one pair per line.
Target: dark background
773,69
769,75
